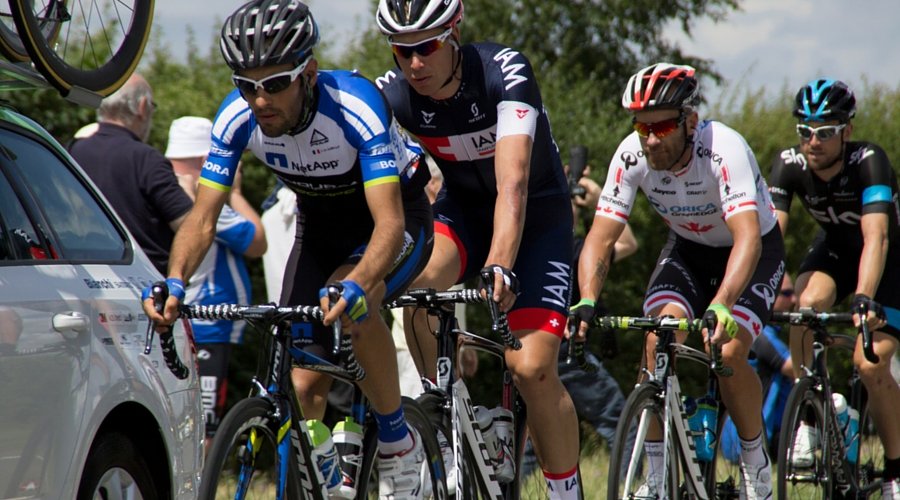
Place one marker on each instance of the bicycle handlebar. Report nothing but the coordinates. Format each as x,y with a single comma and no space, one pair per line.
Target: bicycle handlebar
431,299
810,317
160,292
664,323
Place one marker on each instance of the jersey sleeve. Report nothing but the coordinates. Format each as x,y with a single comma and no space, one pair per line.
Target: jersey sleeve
780,186
737,174
231,131
234,230
622,181
517,94
369,127
876,177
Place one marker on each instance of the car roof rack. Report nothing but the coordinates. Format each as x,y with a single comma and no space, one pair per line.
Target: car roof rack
19,76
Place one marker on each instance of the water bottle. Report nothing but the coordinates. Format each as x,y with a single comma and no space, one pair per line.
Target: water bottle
707,413
503,426
325,455
489,433
841,412
347,437
696,425
851,437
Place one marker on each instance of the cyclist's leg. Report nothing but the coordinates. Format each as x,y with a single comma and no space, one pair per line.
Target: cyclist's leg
884,393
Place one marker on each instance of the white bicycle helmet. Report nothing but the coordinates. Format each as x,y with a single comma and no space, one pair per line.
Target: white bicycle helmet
396,17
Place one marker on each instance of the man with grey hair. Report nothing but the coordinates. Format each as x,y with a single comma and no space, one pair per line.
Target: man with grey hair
137,179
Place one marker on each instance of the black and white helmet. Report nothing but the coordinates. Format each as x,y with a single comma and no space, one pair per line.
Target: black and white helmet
662,86
396,17
268,33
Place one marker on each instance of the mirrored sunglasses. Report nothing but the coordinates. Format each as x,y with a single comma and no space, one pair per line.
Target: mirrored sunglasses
822,133
660,129
424,47
272,84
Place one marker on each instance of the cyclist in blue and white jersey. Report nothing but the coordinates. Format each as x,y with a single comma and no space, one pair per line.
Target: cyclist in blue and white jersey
504,207
724,253
331,138
850,189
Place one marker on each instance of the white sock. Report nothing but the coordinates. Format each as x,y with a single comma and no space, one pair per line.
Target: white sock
752,452
655,451
563,486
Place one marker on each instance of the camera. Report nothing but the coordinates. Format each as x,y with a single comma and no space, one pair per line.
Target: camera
577,162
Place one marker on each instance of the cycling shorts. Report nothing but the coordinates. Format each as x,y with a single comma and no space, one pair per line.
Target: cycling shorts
212,364
689,274
319,250
543,264
842,264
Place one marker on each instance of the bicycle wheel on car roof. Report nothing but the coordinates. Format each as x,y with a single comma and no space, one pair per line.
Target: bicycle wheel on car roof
11,46
98,46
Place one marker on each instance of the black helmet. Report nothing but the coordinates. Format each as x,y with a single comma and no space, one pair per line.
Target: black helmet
825,99
268,33
409,16
662,85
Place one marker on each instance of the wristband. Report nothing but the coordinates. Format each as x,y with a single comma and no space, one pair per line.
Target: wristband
176,288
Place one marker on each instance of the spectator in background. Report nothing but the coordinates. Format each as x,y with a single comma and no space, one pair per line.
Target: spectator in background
222,276
776,372
137,180
279,218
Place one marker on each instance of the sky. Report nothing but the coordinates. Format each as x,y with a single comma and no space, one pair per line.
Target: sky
771,44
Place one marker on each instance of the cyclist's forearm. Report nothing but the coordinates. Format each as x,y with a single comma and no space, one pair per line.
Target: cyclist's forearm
509,220
874,253
740,268
191,243
383,248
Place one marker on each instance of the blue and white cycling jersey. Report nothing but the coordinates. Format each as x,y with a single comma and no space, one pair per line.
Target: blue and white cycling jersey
352,142
222,278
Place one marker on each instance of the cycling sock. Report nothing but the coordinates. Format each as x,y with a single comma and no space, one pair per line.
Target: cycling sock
655,451
891,468
563,486
753,452
393,435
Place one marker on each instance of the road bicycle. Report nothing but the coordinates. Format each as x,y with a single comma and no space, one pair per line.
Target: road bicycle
84,48
660,400
263,448
830,473
449,403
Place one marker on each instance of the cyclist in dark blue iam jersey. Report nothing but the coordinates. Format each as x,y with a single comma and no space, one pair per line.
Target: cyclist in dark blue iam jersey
504,206
850,189
367,230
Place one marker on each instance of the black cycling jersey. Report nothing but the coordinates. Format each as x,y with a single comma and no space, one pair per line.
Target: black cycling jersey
498,96
866,184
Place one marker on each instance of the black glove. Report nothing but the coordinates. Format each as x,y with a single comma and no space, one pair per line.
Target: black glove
862,303
509,277
583,311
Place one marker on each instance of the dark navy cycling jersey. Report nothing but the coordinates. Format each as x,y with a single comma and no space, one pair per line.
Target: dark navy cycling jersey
498,96
866,184
352,143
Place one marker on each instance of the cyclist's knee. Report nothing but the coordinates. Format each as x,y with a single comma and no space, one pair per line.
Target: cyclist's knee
533,377
873,375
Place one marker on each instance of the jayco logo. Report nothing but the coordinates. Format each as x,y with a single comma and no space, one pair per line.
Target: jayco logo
510,70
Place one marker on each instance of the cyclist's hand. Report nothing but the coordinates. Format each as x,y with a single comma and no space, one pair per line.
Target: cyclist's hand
169,314
726,327
863,304
583,314
352,302
506,285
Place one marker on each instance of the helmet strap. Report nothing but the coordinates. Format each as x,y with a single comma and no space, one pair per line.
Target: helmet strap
456,64
688,143
310,104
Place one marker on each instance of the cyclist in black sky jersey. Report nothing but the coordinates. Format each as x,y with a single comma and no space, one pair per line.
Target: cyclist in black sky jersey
850,189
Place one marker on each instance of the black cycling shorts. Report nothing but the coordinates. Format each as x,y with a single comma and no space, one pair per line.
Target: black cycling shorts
543,264
842,264
689,274
318,251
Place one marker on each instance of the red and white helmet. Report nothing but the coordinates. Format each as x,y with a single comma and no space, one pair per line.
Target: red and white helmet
396,17
662,86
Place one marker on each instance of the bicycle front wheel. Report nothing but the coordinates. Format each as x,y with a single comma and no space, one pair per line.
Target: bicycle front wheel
244,461
98,46
803,454
432,474
629,466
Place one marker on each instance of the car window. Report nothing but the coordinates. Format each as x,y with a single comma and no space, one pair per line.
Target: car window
83,229
18,239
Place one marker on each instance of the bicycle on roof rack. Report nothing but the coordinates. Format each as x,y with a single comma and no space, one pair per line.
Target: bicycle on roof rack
85,49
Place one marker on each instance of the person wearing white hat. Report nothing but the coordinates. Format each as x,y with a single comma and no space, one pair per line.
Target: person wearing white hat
222,276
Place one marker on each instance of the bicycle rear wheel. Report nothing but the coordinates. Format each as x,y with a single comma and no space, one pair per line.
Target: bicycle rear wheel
629,467
870,463
803,471
100,60
244,460
723,475
434,484
11,46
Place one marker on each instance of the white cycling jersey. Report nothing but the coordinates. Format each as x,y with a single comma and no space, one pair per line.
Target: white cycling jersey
722,179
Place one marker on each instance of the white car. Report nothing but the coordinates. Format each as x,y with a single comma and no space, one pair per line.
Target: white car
85,413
